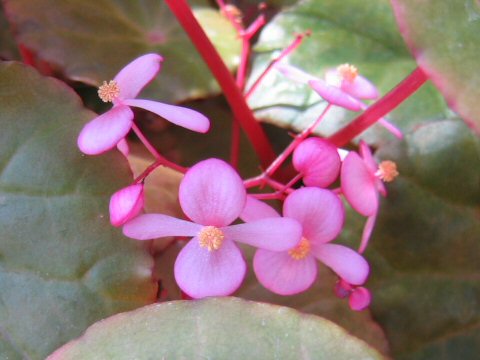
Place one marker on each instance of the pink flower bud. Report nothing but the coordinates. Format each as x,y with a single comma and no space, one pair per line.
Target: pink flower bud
125,204
359,299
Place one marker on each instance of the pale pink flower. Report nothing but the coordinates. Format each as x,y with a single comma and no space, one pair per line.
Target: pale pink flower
362,182
318,161
125,204
321,214
107,130
212,195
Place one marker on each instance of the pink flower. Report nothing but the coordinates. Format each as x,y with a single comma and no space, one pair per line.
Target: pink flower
125,204
359,298
105,131
362,182
321,214
212,195
318,161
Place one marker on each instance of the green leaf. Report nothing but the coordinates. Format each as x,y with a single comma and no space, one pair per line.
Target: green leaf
62,265
362,33
216,328
91,40
443,37
425,249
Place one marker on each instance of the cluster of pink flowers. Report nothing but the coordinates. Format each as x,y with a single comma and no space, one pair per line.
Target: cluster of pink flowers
213,198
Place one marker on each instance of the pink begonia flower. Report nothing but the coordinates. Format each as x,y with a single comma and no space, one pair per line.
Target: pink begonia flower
318,161
107,130
342,86
359,298
212,195
362,182
321,214
125,204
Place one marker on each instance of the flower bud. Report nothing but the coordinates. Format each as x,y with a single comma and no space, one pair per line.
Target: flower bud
125,204
359,299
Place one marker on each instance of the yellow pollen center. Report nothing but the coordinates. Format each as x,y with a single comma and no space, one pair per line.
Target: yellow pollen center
109,91
211,237
387,171
300,251
347,72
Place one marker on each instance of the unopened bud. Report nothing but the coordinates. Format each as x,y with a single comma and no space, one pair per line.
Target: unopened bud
125,204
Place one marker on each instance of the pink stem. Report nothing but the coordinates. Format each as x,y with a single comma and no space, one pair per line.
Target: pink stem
295,44
158,157
382,107
241,111
270,196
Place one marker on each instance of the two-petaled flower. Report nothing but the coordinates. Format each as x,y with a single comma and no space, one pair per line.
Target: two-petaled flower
107,130
212,195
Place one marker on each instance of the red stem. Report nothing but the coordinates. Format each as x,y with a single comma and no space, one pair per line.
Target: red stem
240,109
382,107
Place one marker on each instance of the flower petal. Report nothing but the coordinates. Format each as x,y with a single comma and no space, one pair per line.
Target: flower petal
358,185
318,161
125,204
347,263
212,193
367,232
319,211
105,131
281,274
367,157
179,115
359,299
201,273
152,226
123,147
137,74
276,234
335,95
293,73
360,88
255,210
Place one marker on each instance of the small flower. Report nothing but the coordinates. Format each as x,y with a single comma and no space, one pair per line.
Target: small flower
125,204
212,195
361,183
107,130
321,214
359,297
318,161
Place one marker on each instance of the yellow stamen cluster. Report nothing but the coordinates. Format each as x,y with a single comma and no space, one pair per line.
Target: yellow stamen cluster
211,237
387,171
109,91
300,251
347,72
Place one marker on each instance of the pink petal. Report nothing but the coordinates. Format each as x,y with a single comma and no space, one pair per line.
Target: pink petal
367,232
359,299
360,88
293,73
358,185
367,157
319,211
318,161
255,210
125,204
345,262
201,273
335,95
212,193
342,289
395,131
281,274
274,234
152,226
178,115
123,147
137,74
105,131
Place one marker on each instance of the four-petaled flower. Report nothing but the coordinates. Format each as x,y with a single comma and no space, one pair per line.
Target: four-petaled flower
107,130
321,214
212,195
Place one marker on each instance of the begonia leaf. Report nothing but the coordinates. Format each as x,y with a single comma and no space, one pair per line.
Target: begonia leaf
215,328
362,33
443,37
91,40
425,248
62,265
